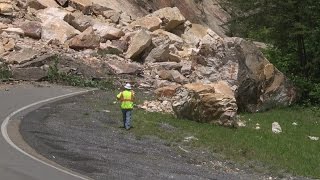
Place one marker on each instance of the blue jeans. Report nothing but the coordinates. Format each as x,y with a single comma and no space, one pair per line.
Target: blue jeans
127,115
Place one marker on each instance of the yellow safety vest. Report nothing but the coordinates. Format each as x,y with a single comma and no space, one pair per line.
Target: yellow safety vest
126,97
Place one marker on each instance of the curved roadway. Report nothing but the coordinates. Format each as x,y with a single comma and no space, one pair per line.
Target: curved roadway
16,165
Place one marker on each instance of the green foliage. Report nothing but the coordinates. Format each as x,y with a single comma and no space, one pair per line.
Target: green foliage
5,73
292,28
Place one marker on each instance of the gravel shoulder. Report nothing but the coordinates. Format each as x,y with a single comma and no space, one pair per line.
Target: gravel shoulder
77,134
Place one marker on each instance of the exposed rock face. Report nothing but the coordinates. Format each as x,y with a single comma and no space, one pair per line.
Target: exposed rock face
138,44
200,102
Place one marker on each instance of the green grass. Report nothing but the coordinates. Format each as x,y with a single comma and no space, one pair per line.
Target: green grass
291,151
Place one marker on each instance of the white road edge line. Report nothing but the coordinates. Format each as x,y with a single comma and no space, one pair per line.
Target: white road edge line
7,138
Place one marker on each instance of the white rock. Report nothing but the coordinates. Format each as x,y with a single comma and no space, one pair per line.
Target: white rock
276,128
294,124
313,138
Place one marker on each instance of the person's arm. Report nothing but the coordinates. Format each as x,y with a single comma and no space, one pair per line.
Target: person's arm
119,96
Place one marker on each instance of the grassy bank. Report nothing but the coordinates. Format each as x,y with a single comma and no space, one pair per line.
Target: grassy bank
291,151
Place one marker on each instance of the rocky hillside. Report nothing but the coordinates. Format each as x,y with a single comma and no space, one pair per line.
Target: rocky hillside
197,72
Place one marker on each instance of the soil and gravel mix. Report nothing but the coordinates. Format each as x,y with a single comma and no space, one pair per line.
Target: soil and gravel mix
83,134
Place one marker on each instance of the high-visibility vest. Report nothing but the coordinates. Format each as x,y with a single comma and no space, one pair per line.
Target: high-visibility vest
126,97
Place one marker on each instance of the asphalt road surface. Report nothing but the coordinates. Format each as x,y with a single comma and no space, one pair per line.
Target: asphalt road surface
14,165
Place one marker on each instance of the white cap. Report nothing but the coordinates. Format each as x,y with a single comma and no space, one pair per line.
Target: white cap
127,86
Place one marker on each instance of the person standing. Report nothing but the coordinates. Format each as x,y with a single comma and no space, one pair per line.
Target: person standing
126,98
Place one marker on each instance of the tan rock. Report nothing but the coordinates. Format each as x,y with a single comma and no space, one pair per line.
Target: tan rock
202,103
29,74
138,44
172,75
32,29
174,58
9,45
150,23
18,31
194,34
109,49
171,17
159,54
268,71
125,18
86,40
1,49
222,87
124,68
21,57
172,37
113,15
41,4
52,13
6,8
81,5
56,29
79,21
3,26
107,32
167,91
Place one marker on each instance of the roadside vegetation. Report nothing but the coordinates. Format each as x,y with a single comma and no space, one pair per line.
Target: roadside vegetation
5,73
288,152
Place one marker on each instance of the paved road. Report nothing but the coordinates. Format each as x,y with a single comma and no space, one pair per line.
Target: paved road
15,165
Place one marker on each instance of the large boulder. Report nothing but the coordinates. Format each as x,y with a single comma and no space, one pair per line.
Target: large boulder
20,57
171,17
201,103
150,23
118,67
56,29
29,74
79,21
159,54
52,13
107,32
172,75
257,84
139,42
86,40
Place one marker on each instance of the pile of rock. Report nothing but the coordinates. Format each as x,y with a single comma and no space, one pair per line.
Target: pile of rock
190,62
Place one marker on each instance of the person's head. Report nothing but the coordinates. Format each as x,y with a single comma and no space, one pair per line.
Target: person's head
128,86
